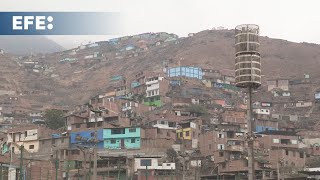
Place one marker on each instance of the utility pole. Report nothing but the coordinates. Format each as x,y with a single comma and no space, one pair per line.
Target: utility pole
108,168
30,174
95,156
57,164
146,172
183,153
118,169
251,172
1,176
89,174
95,163
195,173
21,162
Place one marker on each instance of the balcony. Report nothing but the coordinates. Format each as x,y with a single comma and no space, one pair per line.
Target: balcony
234,148
153,87
93,119
152,82
126,108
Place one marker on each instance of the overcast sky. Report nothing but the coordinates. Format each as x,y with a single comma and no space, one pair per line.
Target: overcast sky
293,20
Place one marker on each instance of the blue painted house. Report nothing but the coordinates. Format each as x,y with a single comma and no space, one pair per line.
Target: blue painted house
122,138
262,125
265,128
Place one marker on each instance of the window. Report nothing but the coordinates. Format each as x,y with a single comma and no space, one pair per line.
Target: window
75,152
287,153
78,125
113,141
31,146
221,146
53,141
223,165
301,155
133,140
180,134
43,142
117,131
90,125
220,135
294,142
221,154
132,130
276,141
99,124
187,133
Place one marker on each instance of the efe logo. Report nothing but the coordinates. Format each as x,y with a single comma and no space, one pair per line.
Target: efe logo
37,22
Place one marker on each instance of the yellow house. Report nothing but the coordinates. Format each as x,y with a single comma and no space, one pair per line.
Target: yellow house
185,133
28,138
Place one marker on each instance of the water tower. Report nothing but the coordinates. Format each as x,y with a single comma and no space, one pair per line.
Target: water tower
247,60
248,75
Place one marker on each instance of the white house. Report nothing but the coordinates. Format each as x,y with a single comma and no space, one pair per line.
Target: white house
154,164
164,124
262,111
153,86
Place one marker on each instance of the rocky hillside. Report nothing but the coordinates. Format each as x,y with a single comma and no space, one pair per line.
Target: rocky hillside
71,77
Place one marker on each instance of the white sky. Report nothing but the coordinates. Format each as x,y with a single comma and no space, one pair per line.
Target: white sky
293,20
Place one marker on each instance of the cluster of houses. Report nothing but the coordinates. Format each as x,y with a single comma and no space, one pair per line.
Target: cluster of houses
182,122
177,123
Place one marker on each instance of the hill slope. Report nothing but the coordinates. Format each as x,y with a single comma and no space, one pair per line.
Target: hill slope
22,45
72,83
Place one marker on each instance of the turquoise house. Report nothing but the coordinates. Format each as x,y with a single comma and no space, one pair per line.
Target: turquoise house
122,138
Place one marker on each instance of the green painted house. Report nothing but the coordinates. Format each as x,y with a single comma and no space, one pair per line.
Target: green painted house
122,138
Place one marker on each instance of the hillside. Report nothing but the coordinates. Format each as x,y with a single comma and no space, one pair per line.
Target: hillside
72,83
22,45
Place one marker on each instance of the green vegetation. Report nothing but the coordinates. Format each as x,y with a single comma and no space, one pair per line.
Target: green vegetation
197,109
54,119
172,154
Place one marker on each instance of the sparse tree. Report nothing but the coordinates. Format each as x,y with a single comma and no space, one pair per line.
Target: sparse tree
54,119
313,162
172,154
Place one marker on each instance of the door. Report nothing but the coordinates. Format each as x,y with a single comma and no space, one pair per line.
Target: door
122,144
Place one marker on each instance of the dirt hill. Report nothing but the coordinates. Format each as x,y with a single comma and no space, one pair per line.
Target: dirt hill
71,83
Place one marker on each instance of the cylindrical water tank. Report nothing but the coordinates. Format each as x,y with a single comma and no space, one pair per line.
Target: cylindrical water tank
247,60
